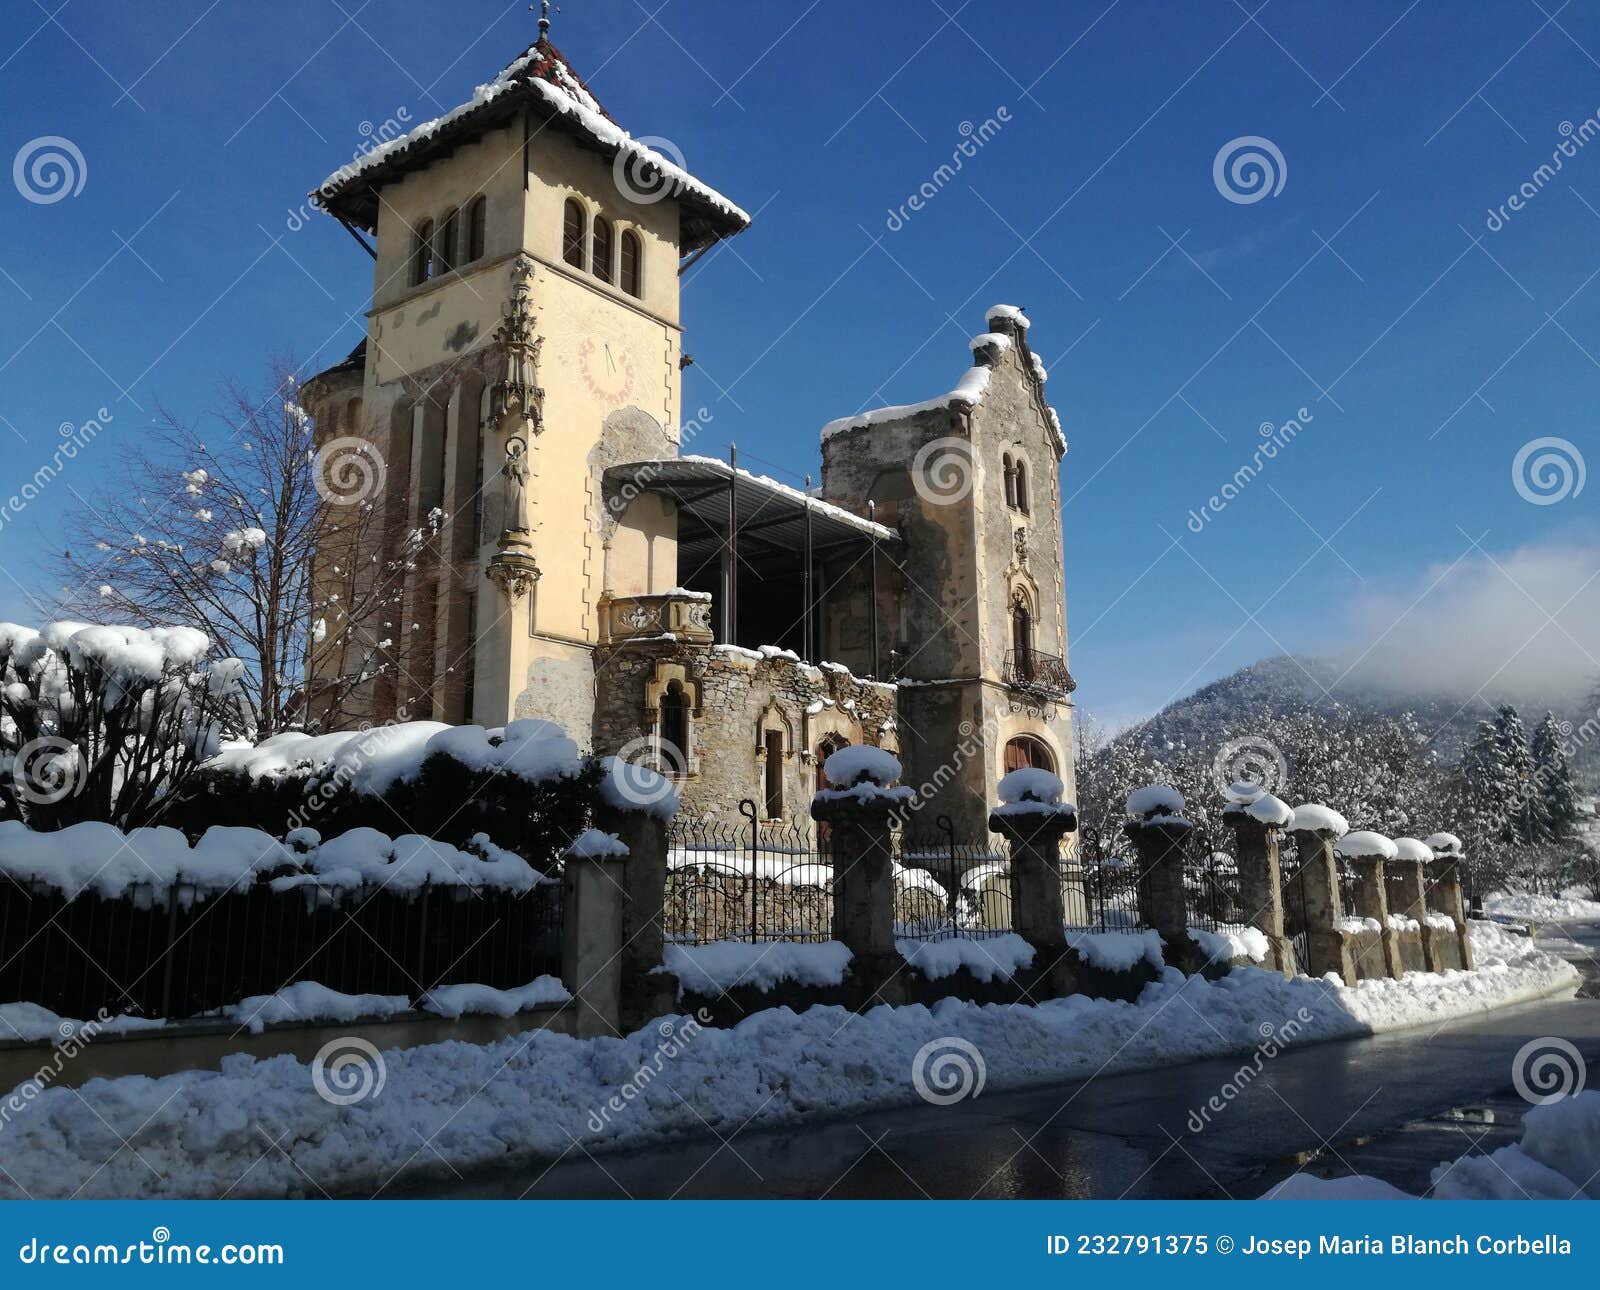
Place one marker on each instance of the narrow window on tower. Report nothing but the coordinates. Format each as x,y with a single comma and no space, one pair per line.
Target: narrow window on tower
477,228
572,230
1022,486
1011,480
422,253
601,265
444,247
774,774
630,264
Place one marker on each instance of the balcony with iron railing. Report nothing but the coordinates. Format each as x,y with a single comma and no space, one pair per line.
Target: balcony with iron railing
1033,670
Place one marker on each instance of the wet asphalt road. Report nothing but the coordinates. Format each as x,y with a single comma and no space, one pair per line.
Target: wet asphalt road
1392,1104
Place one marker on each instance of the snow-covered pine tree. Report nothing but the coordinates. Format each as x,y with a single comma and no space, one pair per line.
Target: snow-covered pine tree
1558,796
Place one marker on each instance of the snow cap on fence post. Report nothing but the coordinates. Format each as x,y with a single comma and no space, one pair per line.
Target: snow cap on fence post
1033,819
1445,896
1367,853
1160,833
1316,888
636,804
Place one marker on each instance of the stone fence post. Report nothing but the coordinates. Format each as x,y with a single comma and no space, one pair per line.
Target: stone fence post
1317,884
1368,853
1033,819
1160,836
636,804
1408,896
1255,826
857,815
594,872
1446,872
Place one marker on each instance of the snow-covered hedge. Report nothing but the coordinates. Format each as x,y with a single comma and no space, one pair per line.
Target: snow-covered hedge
104,860
525,785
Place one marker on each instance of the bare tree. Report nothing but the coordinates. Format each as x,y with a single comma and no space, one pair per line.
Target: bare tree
232,527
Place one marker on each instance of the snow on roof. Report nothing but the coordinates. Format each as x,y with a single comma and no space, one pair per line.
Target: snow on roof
1444,844
541,72
816,504
1411,849
969,391
1312,818
1364,844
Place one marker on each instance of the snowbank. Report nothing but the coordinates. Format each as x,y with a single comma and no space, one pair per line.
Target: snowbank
723,965
308,1001
1557,1159
989,958
29,1023
531,1096
1520,905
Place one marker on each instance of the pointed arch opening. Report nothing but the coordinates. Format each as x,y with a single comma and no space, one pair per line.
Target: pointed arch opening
574,222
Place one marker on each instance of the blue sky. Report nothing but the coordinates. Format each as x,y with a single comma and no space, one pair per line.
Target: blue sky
1356,292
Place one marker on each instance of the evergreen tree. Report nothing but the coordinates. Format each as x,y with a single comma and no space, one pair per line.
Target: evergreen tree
1553,775
1524,807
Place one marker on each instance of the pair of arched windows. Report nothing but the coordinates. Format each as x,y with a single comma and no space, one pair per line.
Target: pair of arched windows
456,240
599,250
1016,472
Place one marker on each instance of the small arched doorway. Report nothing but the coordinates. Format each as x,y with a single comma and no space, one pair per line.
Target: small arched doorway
829,745
1026,752
672,747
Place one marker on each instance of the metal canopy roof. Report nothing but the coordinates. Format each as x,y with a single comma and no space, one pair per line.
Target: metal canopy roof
770,517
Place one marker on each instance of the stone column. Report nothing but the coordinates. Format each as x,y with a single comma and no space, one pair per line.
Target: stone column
1261,882
1038,909
1327,948
1160,843
646,992
591,943
863,889
1446,873
1408,896
1372,901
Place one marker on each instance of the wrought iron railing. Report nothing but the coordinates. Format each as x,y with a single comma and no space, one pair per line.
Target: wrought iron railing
1029,669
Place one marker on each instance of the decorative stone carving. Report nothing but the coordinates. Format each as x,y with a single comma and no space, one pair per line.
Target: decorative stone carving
516,397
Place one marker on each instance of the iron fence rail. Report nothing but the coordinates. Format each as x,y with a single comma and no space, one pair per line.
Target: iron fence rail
173,952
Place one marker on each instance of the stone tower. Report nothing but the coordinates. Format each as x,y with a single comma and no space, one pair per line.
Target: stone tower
977,603
523,334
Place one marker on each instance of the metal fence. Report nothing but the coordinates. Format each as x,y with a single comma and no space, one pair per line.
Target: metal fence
1108,876
172,952
1212,894
754,881
945,888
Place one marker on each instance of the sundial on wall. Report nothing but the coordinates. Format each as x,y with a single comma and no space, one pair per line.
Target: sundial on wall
606,369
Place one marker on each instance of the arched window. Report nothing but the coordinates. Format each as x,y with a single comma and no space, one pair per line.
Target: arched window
353,416
477,229
600,265
673,745
1022,639
444,247
1011,479
629,277
422,253
1022,486
773,786
573,220
1027,753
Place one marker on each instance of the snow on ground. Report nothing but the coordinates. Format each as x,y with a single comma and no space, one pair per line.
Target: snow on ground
988,958
530,1097
29,1023
1557,1159
1522,906
723,965
1117,951
485,1000
1231,941
308,1001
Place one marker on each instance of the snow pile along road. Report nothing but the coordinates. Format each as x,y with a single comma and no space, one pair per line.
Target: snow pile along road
532,1096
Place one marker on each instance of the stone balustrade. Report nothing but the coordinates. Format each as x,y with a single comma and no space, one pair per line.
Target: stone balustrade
679,615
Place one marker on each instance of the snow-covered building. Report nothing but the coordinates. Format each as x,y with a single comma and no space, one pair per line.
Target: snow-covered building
520,377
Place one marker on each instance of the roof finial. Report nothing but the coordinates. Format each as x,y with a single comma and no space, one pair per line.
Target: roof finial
544,19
